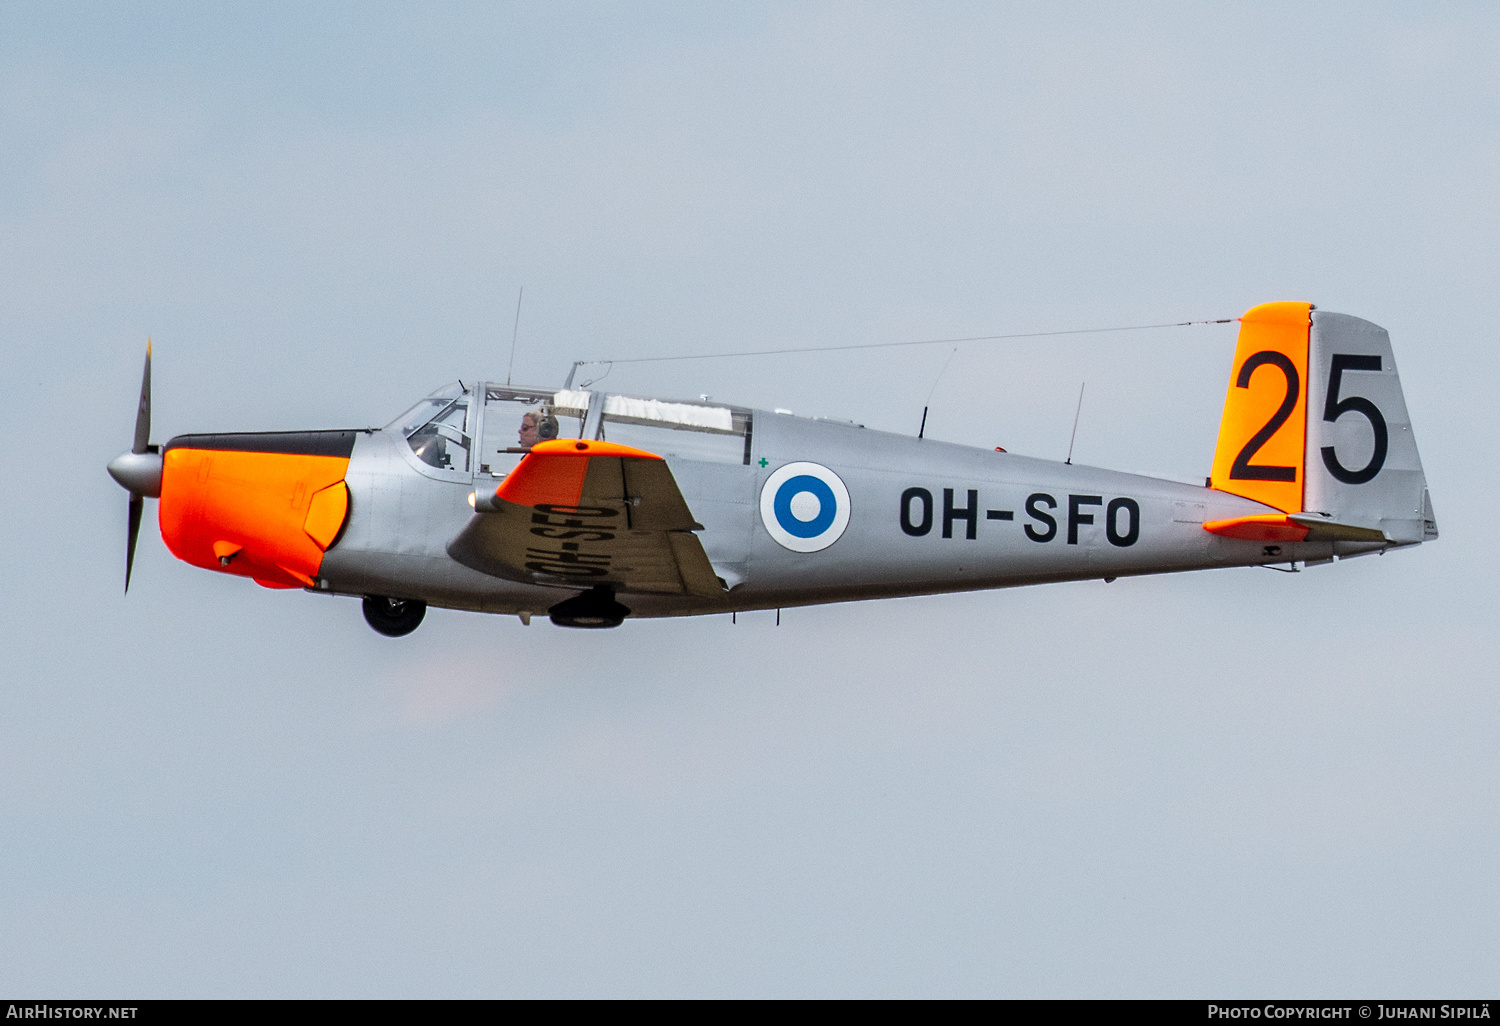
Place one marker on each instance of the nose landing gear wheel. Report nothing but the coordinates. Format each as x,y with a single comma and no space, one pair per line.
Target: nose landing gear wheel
394,617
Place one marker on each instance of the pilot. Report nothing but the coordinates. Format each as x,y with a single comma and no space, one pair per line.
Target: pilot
537,426
527,436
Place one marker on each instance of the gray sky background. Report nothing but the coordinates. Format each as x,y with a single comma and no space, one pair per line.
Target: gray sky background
1227,783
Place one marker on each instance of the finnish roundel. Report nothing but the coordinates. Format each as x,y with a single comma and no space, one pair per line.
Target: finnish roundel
804,506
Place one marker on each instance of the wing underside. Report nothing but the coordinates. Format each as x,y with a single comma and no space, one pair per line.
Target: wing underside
580,514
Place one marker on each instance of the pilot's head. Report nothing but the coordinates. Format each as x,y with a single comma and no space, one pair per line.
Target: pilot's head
527,436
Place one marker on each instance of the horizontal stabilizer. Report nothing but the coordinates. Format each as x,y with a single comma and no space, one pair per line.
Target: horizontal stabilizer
1291,527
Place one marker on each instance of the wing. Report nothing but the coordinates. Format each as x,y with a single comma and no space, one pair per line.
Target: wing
577,514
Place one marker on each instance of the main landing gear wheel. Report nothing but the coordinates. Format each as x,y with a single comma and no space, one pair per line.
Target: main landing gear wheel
594,608
394,617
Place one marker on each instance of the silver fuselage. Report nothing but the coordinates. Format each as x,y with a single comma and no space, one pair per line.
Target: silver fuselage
925,517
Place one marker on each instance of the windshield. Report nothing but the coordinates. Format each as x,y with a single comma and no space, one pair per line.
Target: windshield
422,412
435,429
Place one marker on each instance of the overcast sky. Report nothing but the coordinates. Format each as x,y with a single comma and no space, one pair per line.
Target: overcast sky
1226,783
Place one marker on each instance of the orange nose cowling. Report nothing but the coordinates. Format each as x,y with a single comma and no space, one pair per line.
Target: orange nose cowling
272,513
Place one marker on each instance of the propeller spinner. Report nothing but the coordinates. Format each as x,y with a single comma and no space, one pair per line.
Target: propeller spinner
139,470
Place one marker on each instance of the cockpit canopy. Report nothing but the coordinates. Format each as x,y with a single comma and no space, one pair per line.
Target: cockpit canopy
442,429
435,424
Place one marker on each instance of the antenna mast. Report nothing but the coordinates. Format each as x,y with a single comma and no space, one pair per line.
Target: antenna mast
933,391
515,329
1074,436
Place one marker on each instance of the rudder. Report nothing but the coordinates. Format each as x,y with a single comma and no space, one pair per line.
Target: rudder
1362,462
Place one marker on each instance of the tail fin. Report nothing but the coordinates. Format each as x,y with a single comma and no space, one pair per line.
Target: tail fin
1315,424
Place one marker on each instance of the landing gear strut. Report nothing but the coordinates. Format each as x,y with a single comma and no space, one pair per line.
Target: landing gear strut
594,608
394,617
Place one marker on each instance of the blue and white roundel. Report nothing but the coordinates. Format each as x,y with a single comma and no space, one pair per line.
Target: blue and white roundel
804,506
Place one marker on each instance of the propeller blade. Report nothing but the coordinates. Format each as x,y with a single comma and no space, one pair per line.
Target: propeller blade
143,413
137,504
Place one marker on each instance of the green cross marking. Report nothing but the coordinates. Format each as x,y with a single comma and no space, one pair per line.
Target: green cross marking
762,461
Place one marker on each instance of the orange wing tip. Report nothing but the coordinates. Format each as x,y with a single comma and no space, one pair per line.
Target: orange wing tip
579,447
1272,527
547,474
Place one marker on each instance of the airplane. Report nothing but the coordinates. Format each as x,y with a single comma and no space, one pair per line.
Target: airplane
593,507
